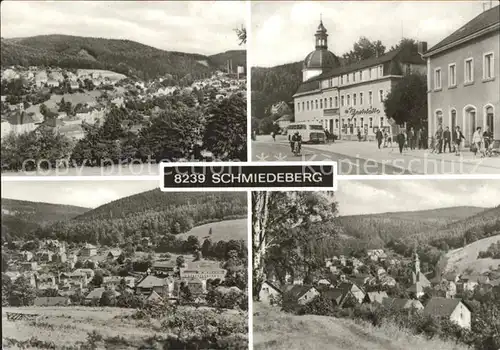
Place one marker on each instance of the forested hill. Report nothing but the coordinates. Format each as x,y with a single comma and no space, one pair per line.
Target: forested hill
238,58
122,56
271,85
149,214
20,217
381,228
156,201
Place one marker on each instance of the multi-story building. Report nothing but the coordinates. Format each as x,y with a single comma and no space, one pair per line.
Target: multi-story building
462,77
345,99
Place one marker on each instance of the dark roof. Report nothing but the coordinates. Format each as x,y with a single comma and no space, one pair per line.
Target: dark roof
297,291
51,301
396,303
18,118
321,58
273,285
442,307
402,55
336,294
480,22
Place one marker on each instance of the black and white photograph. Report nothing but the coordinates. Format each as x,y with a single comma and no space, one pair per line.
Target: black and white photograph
378,264
122,265
382,87
113,87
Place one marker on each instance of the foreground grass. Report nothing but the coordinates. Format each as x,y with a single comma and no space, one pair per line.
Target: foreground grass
111,328
276,330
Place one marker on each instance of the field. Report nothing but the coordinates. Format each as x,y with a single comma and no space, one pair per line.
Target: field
276,330
70,326
465,259
221,231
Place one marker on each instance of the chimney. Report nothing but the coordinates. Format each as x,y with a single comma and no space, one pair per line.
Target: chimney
422,47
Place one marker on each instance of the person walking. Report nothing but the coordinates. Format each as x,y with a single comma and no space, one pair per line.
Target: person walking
447,139
439,139
411,138
273,135
401,139
419,138
477,142
379,136
457,140
487,137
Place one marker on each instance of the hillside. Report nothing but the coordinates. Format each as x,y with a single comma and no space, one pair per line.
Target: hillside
239,58
276,330
122,56
19,217
387,226
271,85
225,230
466,259
148,214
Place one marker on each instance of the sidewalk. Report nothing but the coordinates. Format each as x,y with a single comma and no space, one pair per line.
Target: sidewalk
416,161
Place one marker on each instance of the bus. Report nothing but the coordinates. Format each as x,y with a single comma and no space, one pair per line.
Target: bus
311,132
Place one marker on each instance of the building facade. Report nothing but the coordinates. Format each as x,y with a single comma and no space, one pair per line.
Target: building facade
348,99
462,78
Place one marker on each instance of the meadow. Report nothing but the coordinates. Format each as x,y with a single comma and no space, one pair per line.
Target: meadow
221,231
276,330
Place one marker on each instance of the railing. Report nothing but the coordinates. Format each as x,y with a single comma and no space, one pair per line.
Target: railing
15,316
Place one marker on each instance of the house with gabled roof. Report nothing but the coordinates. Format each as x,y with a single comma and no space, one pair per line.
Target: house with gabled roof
402,304
455,310
302,294
375,297
269,291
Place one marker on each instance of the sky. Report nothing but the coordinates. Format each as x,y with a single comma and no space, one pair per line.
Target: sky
381,196
283,32
353,197
204,27
88,194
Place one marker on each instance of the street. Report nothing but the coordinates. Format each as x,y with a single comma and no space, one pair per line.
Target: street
364,158
347,165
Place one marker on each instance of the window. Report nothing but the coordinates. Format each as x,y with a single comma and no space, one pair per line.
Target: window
370,97
381,95
437,78
341,79
347,78
336,101
490,116
321,104
381,121
316,104
325,102
369,73
348,100
342,100
354,99
307,105
371,122
331,105
360,76
452,75
298,107
360,98
488,68
380,71
469,71
302,105
362,122
354,77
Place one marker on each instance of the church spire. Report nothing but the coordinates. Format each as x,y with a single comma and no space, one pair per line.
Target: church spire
321,36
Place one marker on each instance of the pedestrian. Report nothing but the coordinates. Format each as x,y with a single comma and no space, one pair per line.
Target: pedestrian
385,139
379,137
487,137
366,134
359,134
477,142
439,139
405,133
411,138
457,140
401,139
447,139
273,135
419,138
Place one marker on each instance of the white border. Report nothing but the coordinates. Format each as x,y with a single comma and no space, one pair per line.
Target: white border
82,178
247,164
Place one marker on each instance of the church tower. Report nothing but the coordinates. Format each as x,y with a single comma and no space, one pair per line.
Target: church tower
320,60
416,265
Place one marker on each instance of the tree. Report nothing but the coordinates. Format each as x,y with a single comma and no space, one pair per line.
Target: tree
180,261
226,130
363,49
242,35
407,101
108,298
98,278
22,293
276,214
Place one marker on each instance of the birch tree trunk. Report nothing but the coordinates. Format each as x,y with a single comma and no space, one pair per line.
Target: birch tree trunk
260,215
